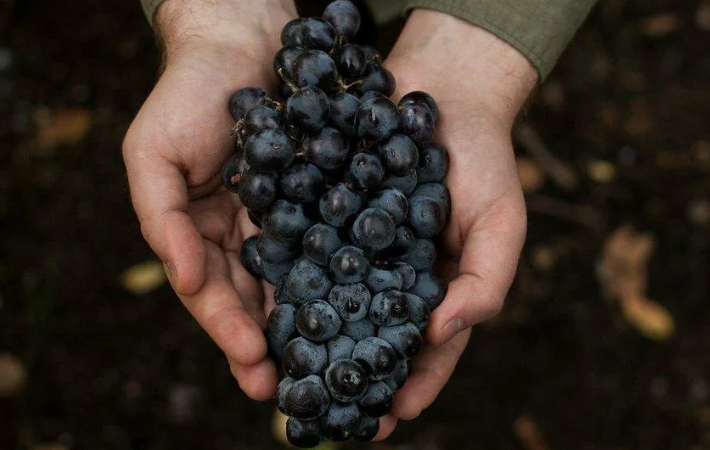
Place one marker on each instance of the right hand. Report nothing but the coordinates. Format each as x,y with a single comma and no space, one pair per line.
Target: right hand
174,152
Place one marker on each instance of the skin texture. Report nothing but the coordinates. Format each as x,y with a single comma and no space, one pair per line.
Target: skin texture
175,148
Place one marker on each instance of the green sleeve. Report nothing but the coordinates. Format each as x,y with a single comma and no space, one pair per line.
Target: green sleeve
539,29
150,7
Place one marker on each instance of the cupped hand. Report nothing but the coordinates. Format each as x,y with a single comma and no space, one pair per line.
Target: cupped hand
174,152
479,83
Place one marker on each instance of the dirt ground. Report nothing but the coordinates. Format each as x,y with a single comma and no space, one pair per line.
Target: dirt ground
618,135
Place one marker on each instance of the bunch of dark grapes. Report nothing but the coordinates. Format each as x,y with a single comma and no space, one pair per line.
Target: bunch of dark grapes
346,187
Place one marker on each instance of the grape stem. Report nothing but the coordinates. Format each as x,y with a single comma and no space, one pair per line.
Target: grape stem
344,87
286,79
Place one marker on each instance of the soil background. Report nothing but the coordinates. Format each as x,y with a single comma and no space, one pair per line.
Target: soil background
626,114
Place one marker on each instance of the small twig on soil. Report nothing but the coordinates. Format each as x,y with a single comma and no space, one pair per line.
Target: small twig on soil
560,173
585,215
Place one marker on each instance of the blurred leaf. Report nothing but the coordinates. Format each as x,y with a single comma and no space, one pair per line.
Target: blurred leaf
278,428
649,318
601,171
144,277
13,375
531,177
67,126
661,24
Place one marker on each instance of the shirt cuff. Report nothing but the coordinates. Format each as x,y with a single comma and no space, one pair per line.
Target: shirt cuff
150,7
539,29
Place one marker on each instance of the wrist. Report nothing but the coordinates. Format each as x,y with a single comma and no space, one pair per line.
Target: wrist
467,61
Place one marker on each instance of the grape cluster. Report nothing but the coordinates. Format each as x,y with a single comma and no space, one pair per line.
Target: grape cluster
346,187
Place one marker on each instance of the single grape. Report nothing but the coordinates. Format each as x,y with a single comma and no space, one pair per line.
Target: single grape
379,280
405,184
320,242
303,183
283,62
419,311
315,68
343,111
420,97
344,17
290,31
377,119
281,391
312,33
340,421
433,163
286,222
340,347
307,398
399,154
245,99
365,172
280,325
339,205
422,255
273,272
250,258
427,217
377,400
404,240
436,191
259,119
307,281
257,191
417,122
376,356
374,229
358,330
367,429
404,339
274,251
349,265
399,376
377,78
327,149
352,61
318,321
233,171
269,150
346,380
302,357
351,301
408,274
308,109
429,288
281,295
393,201
389,308
302,433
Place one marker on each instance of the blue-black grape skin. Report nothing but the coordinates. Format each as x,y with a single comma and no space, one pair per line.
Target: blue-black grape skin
404,239
290,31
281,295
259,119
405,184
422,255
307,398
302,358
232,172
303,182
307,281
308,108
340,421
283,62
389,308
393,201
251,260
370,95
362,329
312,33
340,347
436,191
284,386
273,272
346,380
377,119
343,111
257,191
409,275
269,150
365,172
415,97
245,99
351,301
404,339
320,242
367,429
318,321
286,221
344,17
417,122
377,78
339,205
429,288
352,61
427,217
328,149
399,376
376,356
303,433
377,400
379,280
419,311
433,163
374,229
274,251
315,68
349,265
280,325
400,154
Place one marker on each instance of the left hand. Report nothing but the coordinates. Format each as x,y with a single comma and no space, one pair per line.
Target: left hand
480,83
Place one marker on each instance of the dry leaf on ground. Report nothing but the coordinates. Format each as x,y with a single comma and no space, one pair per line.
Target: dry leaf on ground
144,277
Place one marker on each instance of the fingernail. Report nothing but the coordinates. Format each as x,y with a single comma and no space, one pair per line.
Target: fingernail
451,329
